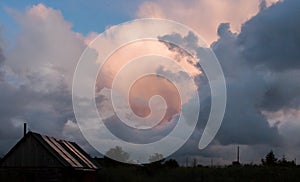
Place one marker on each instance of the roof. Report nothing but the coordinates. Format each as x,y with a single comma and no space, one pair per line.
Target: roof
69,154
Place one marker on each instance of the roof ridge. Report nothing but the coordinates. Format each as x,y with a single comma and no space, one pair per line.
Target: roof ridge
50,136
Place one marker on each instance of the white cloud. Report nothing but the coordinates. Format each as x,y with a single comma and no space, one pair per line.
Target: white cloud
46,48
204,16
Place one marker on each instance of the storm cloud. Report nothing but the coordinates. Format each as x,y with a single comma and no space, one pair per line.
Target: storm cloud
271,39
261,68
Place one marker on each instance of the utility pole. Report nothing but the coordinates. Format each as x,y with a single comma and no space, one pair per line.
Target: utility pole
195,162
25,129
238,154
187,162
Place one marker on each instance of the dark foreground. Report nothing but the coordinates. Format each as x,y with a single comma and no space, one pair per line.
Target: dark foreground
165,174
232,173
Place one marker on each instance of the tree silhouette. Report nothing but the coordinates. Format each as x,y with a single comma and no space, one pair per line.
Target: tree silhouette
156,157
156,160
284,162
270,159
118,154
171,163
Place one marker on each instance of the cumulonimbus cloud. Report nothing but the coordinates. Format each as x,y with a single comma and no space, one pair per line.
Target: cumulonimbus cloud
204,16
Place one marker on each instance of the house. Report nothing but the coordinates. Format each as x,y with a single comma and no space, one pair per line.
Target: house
38,157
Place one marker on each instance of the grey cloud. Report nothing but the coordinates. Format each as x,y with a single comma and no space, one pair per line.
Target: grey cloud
261,66
2,58
262,5
10,109
45,113
283,91
271,39
270,43
250,88
243,123
126,133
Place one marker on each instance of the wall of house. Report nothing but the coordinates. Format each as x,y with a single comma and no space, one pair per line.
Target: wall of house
30,153
45,174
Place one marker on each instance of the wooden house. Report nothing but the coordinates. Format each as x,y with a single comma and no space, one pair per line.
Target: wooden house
38,157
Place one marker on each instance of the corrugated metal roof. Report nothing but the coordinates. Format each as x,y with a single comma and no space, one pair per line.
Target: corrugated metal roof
69,153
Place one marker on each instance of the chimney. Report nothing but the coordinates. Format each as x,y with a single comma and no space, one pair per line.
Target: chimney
25,129
238,154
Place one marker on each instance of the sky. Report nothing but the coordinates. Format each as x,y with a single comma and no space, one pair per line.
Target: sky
256,43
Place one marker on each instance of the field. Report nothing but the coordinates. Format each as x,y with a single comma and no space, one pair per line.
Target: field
229,173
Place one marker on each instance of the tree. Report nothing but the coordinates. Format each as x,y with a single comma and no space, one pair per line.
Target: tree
118,154
156,157
171,163
284,162
270,159
156,160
